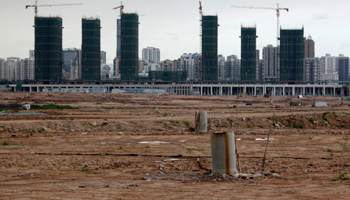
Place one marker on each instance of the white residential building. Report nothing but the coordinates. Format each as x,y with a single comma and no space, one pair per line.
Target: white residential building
328,67
270,62
2,69
312,69
151,54
13,69
221,68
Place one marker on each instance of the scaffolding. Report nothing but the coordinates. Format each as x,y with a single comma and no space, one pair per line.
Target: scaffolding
209,48
129,63
91,48
292,55
48,48
248,53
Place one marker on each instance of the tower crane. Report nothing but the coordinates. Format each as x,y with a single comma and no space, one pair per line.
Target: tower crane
200,27
278,26
278,16
36,6
121,8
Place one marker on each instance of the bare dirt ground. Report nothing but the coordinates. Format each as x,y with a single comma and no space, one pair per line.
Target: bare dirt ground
123,147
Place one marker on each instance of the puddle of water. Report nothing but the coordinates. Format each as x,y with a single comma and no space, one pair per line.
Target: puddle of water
21,114
25,182
153,142
174,159
256,139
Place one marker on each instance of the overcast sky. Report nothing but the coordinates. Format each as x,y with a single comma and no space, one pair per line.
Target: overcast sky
173,25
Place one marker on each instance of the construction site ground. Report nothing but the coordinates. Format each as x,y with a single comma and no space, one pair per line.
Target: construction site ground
120,146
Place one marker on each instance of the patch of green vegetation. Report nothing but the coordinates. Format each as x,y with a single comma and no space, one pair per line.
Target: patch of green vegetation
85,169
194,149
295,125
187,123
325,113
341,177
4,109
108,108
51,106
165,114
3,126
5,143
311,120
120,147
249,126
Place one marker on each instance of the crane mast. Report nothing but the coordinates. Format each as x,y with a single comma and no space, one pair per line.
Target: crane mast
278,27
200,27
36,6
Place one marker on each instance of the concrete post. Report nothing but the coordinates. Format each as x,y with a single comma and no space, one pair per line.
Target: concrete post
223,151
200,121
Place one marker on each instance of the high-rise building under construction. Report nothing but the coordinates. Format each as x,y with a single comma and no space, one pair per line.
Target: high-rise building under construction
91,48
248,53
129,48
48,49
292,55
209,48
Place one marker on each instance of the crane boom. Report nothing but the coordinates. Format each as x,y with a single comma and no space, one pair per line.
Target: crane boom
278,24
121,7
47,5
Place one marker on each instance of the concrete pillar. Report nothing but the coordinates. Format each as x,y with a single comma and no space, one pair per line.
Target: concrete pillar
293,91
30,88
200,121
220,90
211,90
223,153
324,91
284,90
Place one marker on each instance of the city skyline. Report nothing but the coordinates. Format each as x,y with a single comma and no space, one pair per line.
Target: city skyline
178,31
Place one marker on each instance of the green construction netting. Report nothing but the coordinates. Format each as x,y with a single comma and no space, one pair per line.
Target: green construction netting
129,48
48,48
167,76
91,48
292,55
248,54
209,48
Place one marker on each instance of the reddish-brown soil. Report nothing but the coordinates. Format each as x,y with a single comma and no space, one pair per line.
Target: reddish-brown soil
95,151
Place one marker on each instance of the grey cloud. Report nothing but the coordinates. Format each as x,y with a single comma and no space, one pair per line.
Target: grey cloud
320,16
